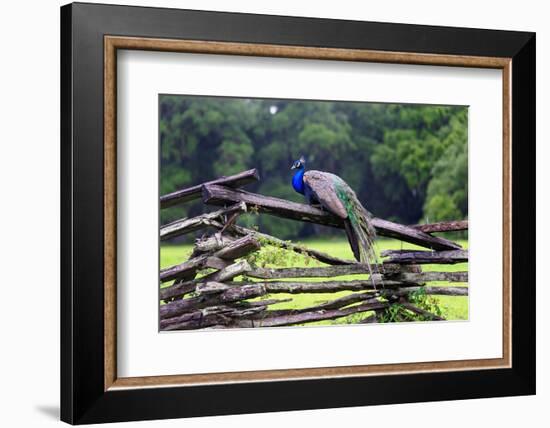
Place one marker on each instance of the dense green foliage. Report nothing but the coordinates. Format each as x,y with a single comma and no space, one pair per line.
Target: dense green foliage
408,163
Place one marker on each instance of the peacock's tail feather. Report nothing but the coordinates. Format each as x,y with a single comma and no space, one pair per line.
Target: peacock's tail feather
359,228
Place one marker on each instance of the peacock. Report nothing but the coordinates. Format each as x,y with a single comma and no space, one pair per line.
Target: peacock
333,194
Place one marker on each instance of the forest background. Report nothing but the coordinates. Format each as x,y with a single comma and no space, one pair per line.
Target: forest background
407,163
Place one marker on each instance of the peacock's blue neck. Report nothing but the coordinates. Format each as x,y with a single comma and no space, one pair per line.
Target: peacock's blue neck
298,181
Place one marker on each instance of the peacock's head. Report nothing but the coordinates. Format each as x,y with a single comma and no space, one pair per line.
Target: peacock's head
299,164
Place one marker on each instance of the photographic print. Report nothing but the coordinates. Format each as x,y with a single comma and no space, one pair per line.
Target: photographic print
301,204
282,212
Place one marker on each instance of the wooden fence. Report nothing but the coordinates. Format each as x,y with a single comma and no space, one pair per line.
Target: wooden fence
217,300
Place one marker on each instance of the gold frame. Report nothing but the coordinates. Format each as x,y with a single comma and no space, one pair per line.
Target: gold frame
113,43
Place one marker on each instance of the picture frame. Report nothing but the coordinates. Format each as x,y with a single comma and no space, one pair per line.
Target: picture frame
91,35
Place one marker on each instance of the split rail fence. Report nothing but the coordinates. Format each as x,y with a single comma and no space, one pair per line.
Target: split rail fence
223,299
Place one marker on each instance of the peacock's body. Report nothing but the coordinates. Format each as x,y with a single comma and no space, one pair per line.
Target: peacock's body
336,196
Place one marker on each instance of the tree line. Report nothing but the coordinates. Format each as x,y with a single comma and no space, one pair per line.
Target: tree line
407,163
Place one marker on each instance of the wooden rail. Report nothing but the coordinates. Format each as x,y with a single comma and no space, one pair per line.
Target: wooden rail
194,192
219,195
425,257
443,226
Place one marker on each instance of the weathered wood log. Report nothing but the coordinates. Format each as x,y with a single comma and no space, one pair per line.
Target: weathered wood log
245,312
199,320
300,249
188,225
329,286
252,290
235,309
313,272
243,291
177,289
211,315
389,270
407,273
224,250
194,192
337,303
218,195
211,287
443,226
392,271
173,272
187,321
215,315
234,249
214,242
213,262
225,274
190,304
229,272
264,302
306,317
429,290
204,318
413,236
424,277
239,248
425,257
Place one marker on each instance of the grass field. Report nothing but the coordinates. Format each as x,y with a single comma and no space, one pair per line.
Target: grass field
453,308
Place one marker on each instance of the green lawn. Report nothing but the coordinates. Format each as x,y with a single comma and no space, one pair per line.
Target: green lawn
453,308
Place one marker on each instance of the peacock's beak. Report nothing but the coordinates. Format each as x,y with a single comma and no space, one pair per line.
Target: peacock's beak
293,167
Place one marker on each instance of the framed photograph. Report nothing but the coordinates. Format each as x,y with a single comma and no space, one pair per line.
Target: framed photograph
272,213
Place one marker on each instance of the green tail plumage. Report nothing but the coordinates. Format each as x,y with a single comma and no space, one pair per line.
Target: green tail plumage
359,229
